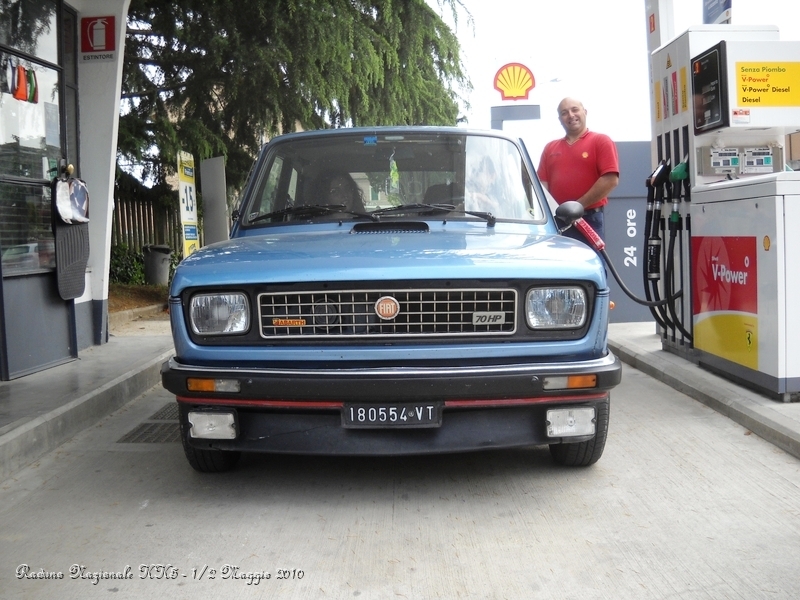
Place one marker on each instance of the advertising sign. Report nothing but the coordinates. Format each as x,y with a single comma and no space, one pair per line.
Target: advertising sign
514,81
725,297
716,12
188,196
768,83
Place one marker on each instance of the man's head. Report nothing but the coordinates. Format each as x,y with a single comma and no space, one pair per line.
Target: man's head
572,115
340,191
341,188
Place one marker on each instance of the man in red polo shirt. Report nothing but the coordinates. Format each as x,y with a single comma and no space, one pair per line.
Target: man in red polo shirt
581,166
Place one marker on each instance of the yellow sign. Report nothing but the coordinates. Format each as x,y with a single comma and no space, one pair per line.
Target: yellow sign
684,91
730,336
657,93
188,198
514,81
768,83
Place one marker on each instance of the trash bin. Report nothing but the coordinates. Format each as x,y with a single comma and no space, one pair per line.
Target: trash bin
156,264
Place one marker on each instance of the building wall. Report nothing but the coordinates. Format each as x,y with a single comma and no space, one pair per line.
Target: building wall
99,83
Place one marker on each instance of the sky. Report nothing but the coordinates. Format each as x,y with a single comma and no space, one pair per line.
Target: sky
593,50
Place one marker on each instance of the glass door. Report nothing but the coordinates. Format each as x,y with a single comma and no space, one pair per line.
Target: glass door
37,68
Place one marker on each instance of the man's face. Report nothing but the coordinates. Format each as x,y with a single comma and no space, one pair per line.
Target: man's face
339,192
572,116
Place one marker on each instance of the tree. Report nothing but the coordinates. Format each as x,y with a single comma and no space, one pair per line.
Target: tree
215,77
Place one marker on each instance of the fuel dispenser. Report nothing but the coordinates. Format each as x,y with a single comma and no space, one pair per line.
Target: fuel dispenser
724,98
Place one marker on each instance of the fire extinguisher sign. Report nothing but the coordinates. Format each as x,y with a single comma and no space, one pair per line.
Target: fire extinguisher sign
98,39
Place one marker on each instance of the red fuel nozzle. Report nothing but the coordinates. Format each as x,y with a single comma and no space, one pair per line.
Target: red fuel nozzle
590,234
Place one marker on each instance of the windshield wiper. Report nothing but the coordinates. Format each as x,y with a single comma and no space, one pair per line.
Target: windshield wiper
487,216
414,208
312,210
433,209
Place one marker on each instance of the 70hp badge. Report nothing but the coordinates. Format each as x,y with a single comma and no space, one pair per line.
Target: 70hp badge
488,318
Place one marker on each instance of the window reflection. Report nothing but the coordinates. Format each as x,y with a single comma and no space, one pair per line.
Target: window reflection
30,26
30,135
26,236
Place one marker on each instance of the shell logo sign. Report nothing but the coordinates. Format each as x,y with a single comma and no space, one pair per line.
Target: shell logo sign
514,81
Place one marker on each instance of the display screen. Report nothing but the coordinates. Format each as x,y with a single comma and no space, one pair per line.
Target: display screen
709,89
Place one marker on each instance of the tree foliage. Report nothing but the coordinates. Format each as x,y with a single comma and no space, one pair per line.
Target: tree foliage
214,77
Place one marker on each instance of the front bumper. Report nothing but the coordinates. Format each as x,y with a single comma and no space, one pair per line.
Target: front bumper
300,410
389,383
320,432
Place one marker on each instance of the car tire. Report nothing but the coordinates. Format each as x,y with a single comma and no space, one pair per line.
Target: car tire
208,461
583,454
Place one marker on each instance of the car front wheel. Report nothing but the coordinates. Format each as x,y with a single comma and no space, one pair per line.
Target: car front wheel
583,454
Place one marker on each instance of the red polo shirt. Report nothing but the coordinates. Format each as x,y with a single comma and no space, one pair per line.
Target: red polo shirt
570,170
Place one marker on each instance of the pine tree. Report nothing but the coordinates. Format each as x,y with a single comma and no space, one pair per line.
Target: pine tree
215,77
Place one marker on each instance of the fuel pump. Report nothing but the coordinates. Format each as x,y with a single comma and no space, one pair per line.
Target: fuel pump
723,100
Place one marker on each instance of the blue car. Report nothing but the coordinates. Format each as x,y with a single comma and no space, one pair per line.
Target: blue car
388,291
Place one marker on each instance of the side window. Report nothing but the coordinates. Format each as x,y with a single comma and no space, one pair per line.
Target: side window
271,187
266,201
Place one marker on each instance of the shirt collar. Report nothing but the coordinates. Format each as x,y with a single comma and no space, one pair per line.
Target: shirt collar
583,135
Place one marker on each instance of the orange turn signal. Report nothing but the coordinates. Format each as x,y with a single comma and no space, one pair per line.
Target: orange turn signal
570,382
581,381
201,384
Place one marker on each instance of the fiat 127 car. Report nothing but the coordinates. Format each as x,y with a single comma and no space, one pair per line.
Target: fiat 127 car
392,291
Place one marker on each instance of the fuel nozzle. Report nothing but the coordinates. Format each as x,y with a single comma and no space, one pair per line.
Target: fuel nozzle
679,174
660,175
657,182
595,241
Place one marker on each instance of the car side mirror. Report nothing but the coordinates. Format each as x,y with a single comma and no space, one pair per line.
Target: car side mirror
567,213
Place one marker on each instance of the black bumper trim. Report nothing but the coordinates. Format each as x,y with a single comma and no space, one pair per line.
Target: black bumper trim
394,384
318,433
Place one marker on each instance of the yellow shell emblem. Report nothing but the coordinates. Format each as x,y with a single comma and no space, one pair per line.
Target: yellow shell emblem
514,81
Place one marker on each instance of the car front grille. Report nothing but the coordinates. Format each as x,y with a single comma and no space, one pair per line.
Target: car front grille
419,312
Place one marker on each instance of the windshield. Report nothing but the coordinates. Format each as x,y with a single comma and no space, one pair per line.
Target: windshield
392,175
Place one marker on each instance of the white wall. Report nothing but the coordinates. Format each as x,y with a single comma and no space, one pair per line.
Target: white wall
99,88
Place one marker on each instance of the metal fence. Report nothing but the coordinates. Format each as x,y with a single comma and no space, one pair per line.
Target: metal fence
138,223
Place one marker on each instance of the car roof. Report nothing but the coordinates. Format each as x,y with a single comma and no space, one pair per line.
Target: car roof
392,129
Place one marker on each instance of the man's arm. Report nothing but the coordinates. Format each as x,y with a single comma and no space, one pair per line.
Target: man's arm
601,188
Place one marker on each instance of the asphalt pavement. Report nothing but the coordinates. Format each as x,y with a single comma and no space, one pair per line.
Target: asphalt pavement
39,412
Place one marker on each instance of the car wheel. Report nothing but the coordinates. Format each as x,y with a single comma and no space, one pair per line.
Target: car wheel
583,454
208,461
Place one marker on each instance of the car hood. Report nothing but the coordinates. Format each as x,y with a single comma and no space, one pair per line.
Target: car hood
298,254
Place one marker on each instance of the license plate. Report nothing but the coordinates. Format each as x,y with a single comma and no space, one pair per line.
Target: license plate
378,416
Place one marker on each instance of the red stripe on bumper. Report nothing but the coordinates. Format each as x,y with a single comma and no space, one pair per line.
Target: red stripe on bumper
335,404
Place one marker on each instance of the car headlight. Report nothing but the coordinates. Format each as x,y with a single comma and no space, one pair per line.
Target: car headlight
556,308
214,314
